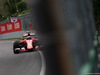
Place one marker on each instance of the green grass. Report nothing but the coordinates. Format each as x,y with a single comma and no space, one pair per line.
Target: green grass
12,39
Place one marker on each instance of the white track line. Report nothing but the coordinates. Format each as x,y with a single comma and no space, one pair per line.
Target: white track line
43,68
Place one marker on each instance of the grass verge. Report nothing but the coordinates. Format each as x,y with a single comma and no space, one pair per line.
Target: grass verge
11,39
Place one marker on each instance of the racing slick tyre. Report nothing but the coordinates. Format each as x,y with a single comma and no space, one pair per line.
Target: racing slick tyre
34,46
36,43
16,45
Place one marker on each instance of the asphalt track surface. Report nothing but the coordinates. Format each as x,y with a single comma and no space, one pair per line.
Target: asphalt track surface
27,63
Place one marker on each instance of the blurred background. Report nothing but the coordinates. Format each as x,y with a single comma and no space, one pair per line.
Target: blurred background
69,31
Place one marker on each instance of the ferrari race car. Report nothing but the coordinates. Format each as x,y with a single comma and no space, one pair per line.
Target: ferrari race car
27,44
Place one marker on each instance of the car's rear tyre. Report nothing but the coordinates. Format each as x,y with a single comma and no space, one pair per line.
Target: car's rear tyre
16,45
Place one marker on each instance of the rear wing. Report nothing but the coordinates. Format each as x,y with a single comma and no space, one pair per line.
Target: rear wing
26,34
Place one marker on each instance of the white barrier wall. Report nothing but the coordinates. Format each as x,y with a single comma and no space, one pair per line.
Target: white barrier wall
12,35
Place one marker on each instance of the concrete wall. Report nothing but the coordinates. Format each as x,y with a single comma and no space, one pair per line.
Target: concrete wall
26,20
12,35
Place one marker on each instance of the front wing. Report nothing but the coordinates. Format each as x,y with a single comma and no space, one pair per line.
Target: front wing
23,49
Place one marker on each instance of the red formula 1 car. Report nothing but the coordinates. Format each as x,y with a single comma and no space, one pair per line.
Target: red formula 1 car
28,44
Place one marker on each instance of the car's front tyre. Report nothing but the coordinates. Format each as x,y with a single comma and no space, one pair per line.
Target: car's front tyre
16,45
